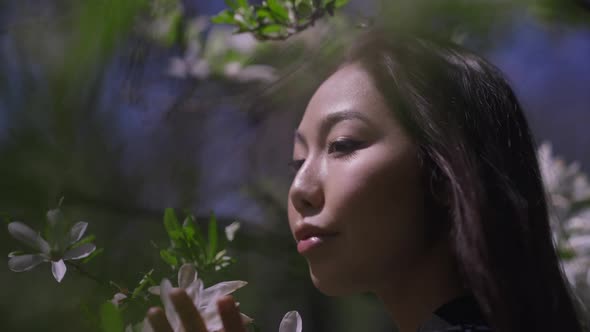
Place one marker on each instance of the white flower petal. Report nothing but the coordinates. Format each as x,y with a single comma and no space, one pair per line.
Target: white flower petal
25,262
165,289
580,188
256,73
177,67
146,326
28,236
291,322
243,42
220,254
186,275
212,293
154,290
232,69
58,269
580,244
579,223
246,319
77,231
217,43
118,298
212,319
79,252
200,69
231,230
194,291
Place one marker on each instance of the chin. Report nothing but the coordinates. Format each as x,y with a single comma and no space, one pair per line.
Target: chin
332,286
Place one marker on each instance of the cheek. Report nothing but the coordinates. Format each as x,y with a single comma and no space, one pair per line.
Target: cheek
384,188
379,203
291,212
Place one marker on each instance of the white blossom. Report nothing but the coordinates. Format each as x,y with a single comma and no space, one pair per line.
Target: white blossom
118,298
63,249
291,322
204,299
567,187
204,51
231,229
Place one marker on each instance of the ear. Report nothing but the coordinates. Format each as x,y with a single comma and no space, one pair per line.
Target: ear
438,200
436,185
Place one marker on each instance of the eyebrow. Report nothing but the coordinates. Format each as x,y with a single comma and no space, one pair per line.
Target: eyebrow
331,120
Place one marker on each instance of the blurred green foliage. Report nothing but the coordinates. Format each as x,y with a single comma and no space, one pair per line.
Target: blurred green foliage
58,144
275,19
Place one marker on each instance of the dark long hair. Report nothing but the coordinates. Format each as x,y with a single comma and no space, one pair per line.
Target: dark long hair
478,152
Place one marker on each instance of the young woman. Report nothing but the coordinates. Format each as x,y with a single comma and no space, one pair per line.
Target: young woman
417,180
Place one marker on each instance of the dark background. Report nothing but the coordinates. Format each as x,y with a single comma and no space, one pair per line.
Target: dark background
89,112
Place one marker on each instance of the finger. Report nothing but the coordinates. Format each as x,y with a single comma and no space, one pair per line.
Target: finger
230,315
189,315
158,320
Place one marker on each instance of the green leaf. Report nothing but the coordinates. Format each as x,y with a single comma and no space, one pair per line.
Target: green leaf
87,239
199,236
243,3
340,3
212,237
233,4
273,29
188,228
93,255
263,13
168,257
16,253
174,33
278,10
304,8
176,237
245,18
224,17
566,253
145,281
110,318
172,226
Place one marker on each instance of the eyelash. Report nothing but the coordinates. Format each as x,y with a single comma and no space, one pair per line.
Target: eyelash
346,147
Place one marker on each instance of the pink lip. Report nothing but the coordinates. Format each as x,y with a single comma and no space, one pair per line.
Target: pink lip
310,243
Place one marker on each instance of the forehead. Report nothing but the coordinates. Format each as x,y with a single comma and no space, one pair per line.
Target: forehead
349,88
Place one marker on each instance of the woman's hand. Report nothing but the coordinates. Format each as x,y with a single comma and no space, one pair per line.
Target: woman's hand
190,319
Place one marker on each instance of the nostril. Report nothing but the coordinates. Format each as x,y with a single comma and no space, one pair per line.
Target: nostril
307,193
306,201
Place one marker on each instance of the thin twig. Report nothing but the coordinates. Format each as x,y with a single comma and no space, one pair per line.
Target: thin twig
89,275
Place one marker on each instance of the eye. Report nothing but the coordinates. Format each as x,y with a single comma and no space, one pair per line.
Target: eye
344,146
295,165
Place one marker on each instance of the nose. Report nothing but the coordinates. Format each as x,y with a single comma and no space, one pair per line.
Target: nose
306,193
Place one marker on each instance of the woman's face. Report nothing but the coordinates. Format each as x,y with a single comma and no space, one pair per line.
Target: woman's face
356,202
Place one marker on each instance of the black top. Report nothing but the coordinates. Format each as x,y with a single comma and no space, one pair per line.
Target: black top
461,314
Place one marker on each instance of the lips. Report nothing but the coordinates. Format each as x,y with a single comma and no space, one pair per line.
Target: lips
306,231
309,236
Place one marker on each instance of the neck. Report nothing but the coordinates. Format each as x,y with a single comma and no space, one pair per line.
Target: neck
411,299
